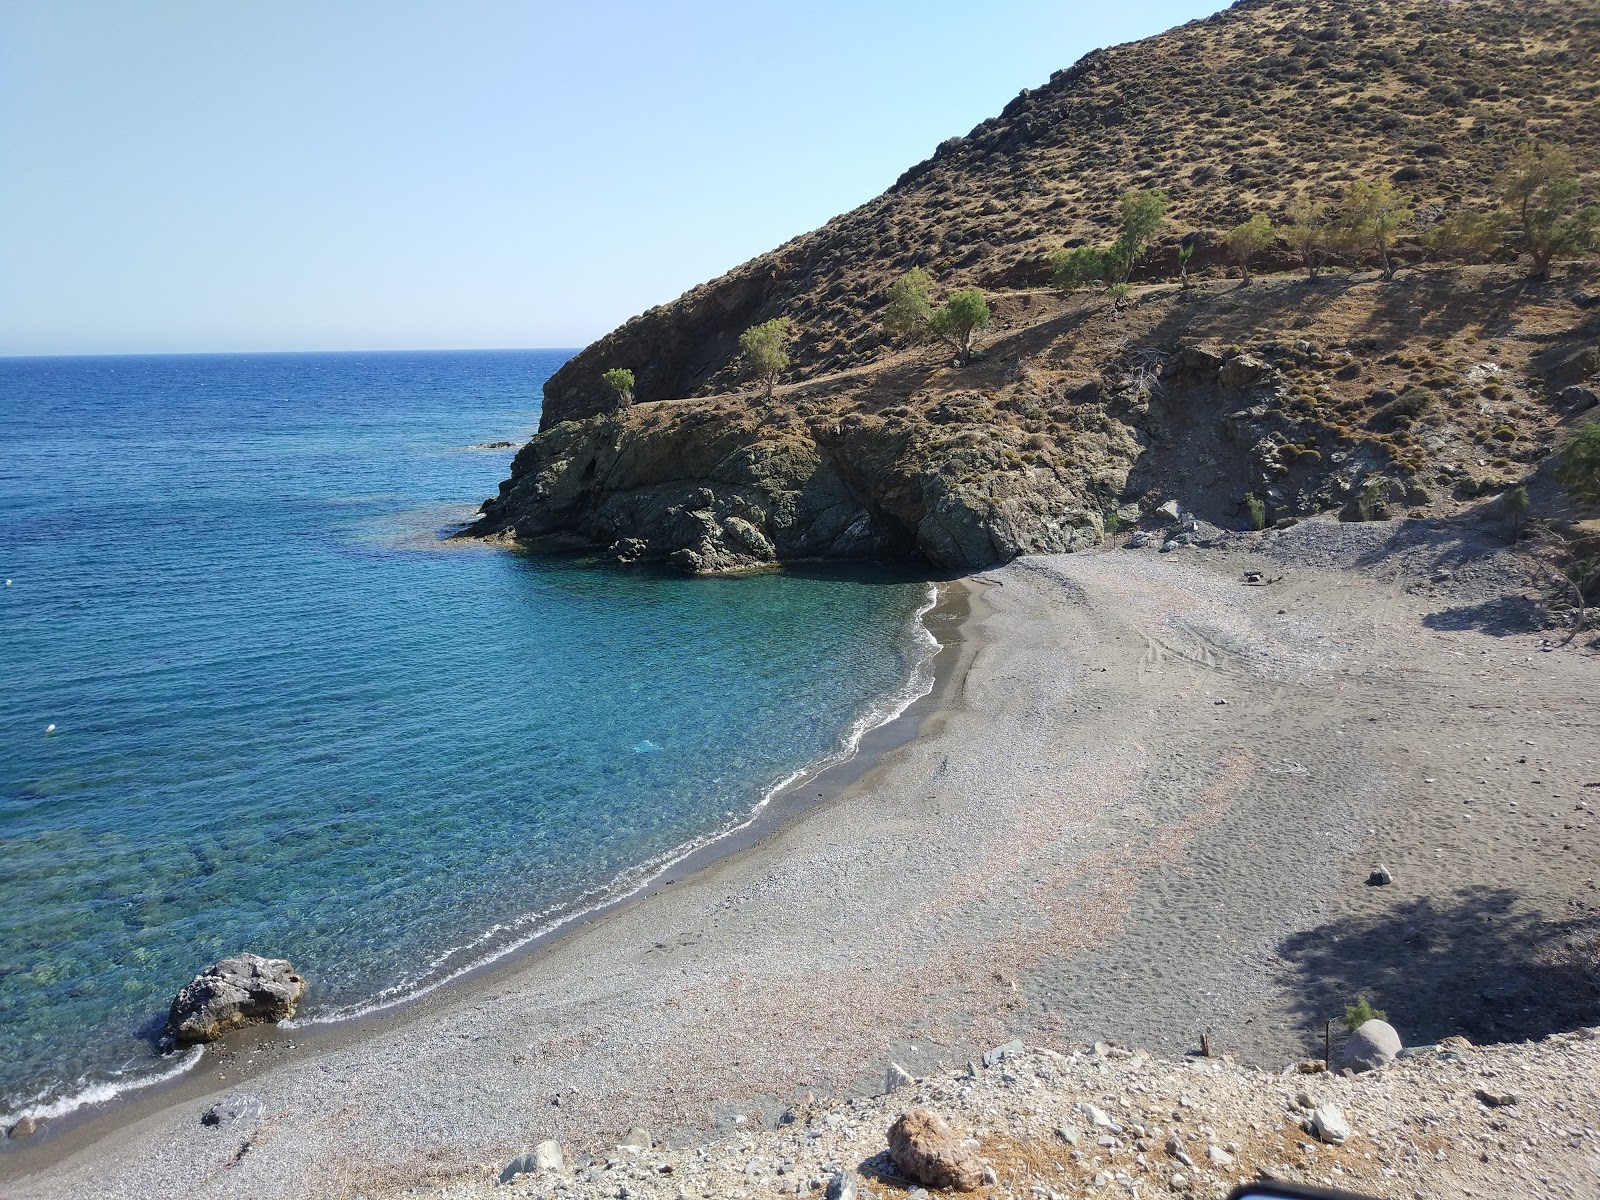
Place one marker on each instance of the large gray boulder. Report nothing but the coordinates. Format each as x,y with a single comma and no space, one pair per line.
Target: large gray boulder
234,992
1374,1044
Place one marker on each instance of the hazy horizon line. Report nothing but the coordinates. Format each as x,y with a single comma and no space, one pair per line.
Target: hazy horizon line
264,353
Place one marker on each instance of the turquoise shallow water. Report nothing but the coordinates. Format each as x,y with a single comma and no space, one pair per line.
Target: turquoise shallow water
288,719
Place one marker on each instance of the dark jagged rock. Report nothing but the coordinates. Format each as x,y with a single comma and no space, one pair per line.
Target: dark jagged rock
237,991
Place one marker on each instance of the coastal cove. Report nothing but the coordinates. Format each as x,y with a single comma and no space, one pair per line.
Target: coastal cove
1080,842
285,715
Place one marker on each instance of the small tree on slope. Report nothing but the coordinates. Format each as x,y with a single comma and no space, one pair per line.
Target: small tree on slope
764,351
620,381
957,322
1248,239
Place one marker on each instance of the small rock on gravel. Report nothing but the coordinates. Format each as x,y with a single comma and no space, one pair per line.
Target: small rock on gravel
896,1078
232,1109
1329,1125
1002,1052
1380,877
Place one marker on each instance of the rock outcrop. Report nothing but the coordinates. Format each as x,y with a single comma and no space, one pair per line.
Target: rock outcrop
711,492
243,990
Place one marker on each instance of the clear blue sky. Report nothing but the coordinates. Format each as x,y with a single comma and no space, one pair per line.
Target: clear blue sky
387,174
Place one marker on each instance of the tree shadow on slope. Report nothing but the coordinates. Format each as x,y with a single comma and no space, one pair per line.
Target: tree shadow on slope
1478,964
1504,616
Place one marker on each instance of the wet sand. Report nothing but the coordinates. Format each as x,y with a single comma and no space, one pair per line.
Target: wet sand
1082,841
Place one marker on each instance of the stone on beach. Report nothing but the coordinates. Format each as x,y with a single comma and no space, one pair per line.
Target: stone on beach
896,1077
1329,1125
1374,1044
924,1147
1002,1052
234,992
231,1109
546,1156
637,1141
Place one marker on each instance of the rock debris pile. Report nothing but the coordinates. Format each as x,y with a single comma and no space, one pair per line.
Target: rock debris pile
1032,1124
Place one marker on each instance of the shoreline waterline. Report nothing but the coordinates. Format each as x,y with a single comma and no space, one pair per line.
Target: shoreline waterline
941,626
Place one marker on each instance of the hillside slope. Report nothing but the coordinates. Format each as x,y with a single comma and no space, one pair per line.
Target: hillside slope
1230,115
1283,394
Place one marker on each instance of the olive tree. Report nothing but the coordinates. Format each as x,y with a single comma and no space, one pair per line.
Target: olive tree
765,355
620,381
1468,235
1141,212
1309,233
910,310
1579,468
1249,238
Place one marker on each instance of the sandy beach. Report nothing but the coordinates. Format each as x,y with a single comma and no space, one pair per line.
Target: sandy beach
1141,803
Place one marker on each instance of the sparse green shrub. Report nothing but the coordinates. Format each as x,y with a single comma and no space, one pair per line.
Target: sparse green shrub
1118,292
1256,510
1579,468
620,381
1358,1014
1113,521
1185,253
1468,235
1249,238
1405,408
764,351
1369,505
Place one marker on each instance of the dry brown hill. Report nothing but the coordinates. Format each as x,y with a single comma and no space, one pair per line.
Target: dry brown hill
1230,115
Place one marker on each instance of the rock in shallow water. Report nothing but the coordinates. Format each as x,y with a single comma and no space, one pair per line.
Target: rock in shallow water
234,992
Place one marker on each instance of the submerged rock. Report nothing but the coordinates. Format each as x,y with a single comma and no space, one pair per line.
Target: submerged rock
234,992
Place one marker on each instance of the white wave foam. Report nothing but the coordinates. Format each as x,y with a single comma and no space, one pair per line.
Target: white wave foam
101,1091
511,936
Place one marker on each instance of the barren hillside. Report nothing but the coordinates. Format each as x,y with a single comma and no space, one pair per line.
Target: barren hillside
1230,115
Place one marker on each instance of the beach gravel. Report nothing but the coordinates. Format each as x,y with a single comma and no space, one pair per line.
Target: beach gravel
1081,847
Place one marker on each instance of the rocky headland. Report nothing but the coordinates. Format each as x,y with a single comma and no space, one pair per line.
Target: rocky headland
1350,392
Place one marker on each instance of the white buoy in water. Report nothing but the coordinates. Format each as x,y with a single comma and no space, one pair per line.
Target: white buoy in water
49,729
8,583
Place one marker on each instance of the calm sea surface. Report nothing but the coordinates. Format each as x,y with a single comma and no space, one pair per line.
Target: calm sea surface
287,719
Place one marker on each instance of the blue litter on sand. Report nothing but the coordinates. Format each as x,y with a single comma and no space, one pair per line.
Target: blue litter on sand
645,747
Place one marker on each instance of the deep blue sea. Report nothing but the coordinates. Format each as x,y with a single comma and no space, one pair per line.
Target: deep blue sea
289,718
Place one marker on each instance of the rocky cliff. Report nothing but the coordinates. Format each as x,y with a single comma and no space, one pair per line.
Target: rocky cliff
874,449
